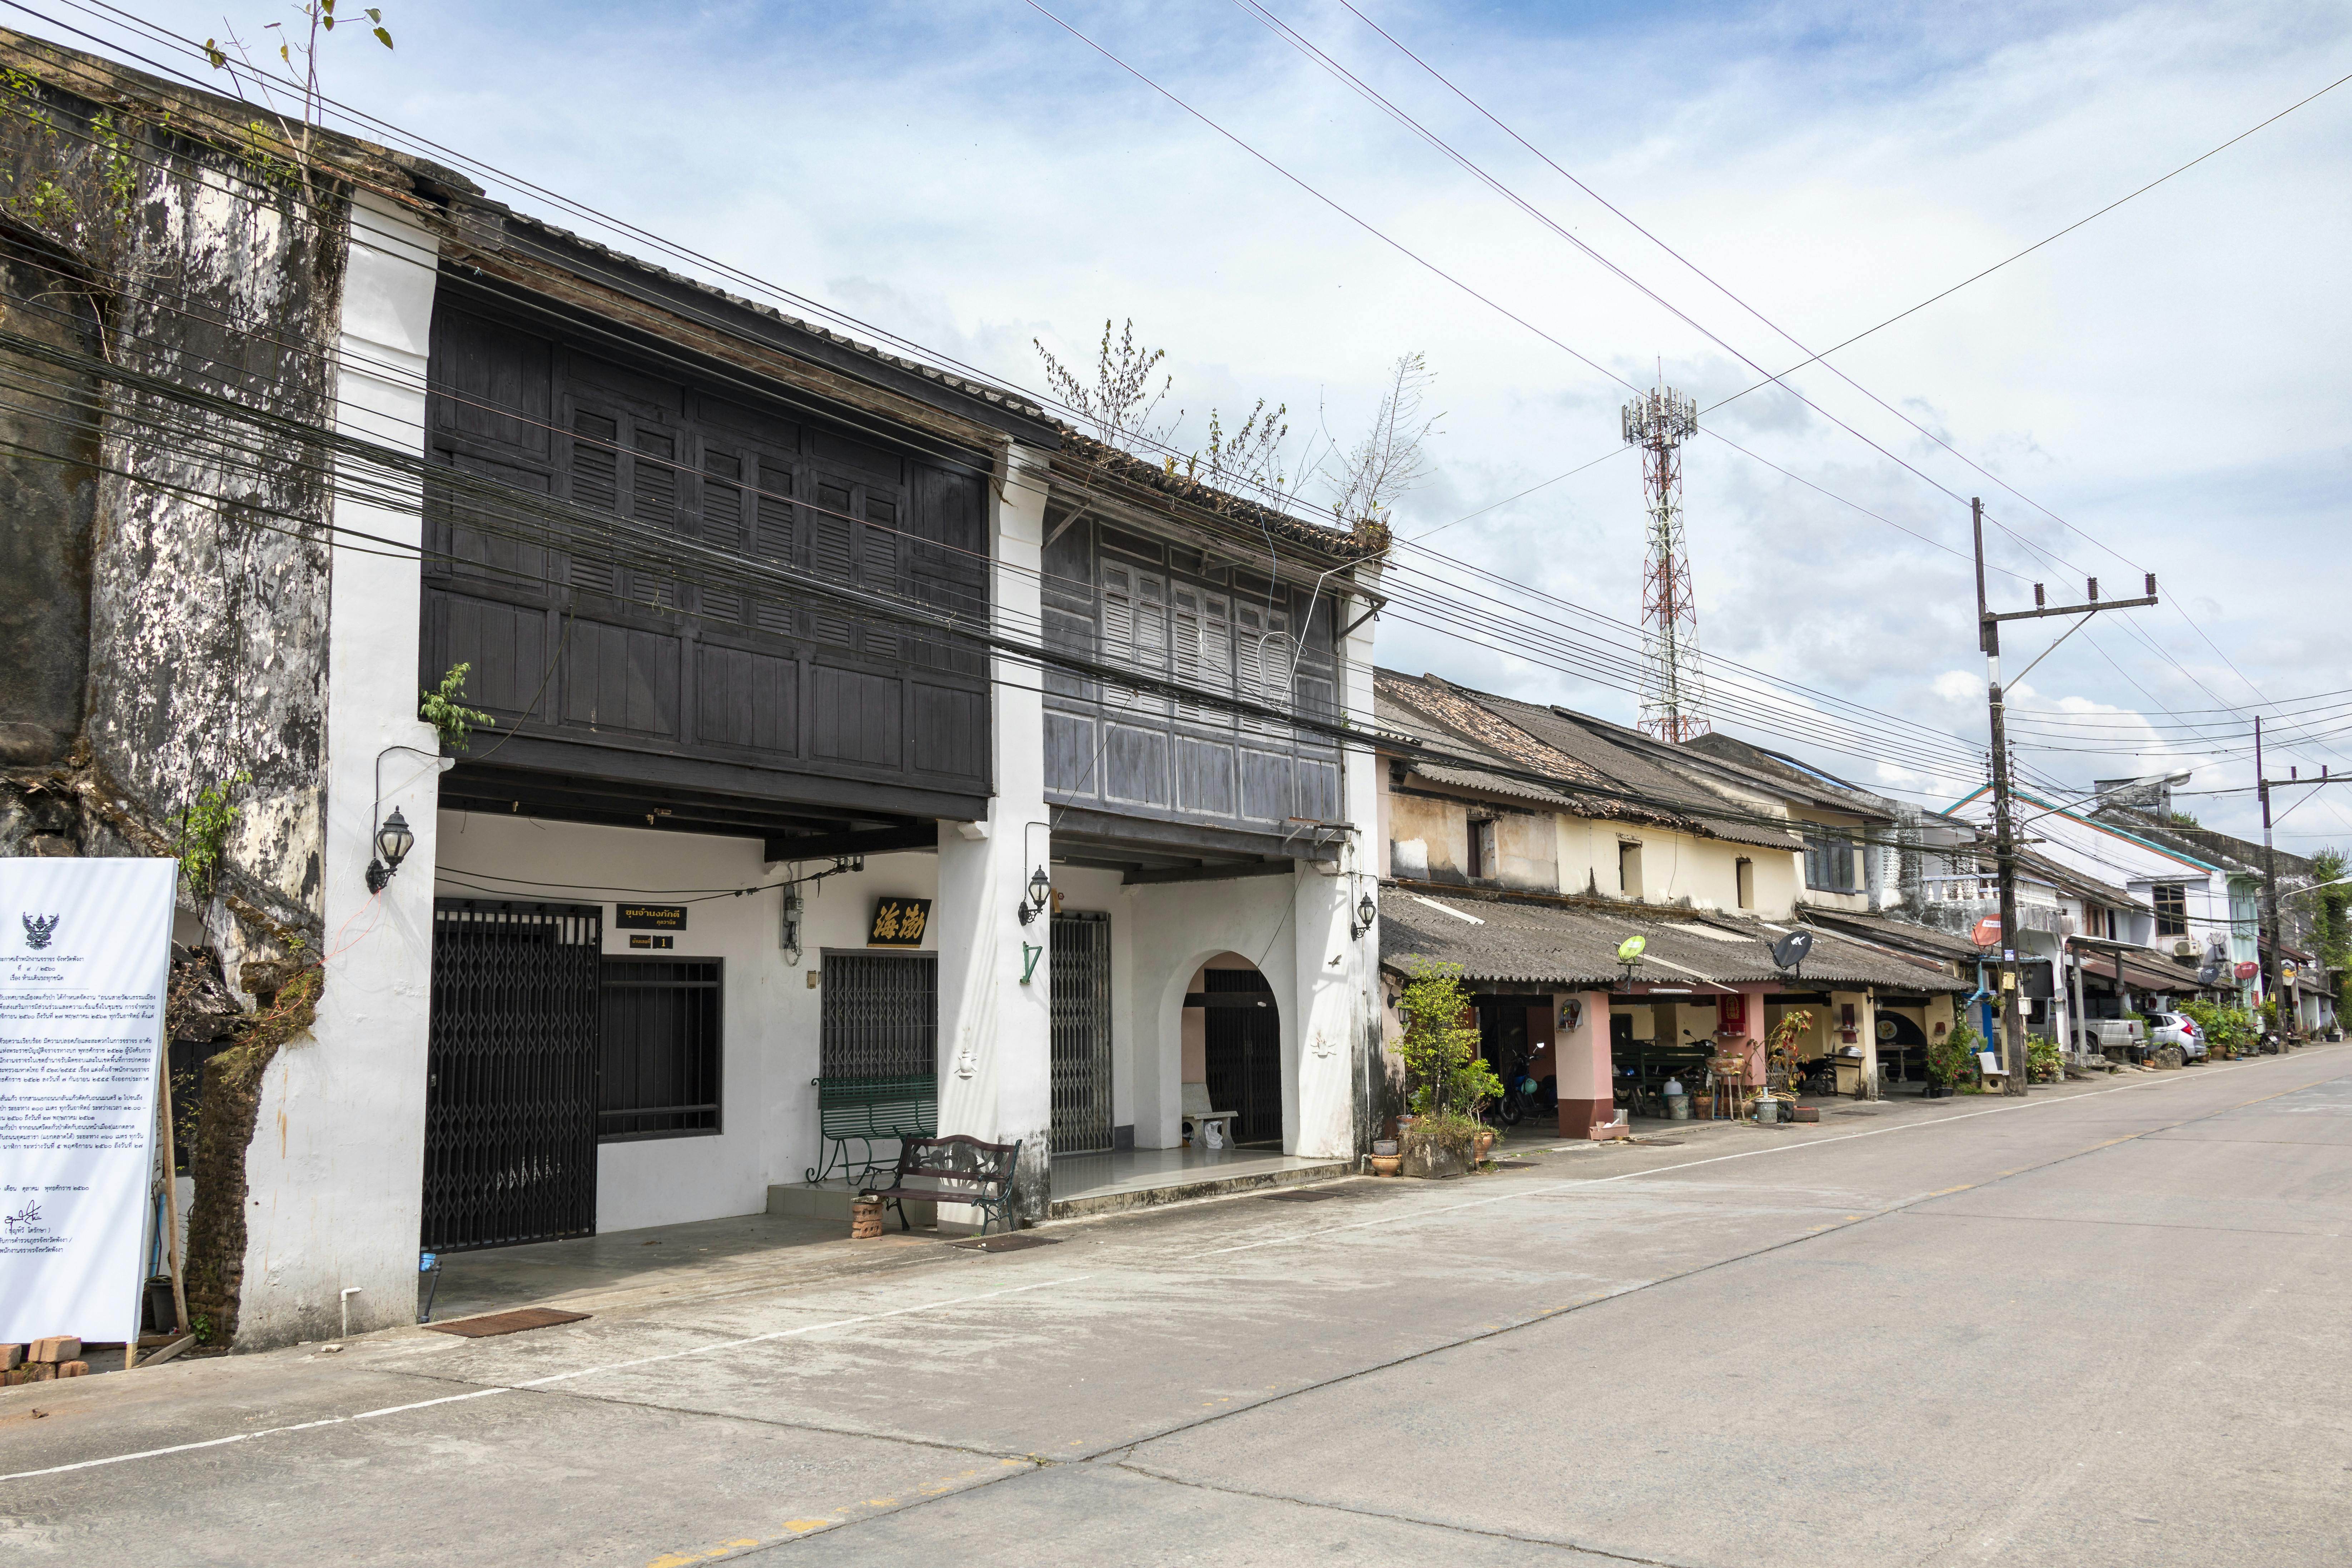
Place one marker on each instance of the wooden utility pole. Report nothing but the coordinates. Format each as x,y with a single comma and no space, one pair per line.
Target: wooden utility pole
2012,1015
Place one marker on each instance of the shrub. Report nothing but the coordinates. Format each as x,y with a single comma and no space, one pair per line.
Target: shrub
1446,1077
1952,1060
2044,1062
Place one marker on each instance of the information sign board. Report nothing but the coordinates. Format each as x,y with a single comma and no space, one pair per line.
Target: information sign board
84,958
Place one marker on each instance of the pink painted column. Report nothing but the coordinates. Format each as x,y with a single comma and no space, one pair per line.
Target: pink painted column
1580,1051
1750,1039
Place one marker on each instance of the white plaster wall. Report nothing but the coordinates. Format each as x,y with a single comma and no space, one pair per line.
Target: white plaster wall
336,1167
770,1016
1178,927
996,1034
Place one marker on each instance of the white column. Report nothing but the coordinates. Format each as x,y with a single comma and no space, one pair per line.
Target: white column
1328,1011
995,1039
336,1168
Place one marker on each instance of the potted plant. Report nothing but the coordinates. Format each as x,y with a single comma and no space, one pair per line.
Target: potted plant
1447,1082
1952,1061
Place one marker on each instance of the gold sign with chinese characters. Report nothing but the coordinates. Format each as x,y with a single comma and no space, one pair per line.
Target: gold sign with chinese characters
899,923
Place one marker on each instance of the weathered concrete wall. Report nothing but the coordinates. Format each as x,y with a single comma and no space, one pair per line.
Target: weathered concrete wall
208,615
45,508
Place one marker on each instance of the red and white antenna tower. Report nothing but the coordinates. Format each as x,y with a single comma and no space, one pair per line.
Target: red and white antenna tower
1674,691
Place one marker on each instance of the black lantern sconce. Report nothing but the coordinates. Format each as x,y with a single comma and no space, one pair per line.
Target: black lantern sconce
1366,912
1041,889
392,843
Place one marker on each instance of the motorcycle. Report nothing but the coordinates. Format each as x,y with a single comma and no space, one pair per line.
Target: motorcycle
1522,1096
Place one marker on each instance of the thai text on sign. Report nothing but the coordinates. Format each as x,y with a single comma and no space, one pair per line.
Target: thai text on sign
84,958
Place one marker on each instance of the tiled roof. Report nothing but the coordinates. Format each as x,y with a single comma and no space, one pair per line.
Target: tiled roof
1629,769
1328,543
1428,710
1013,402
1574,946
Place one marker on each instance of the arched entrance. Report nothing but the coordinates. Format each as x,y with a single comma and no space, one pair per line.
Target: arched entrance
1240,1060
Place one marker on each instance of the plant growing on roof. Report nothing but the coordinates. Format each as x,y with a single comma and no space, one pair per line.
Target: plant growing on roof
318,18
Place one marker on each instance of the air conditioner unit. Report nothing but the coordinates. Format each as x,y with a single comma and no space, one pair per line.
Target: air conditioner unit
2184,947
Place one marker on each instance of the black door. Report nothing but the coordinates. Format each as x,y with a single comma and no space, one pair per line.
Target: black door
1244,1055
510,1086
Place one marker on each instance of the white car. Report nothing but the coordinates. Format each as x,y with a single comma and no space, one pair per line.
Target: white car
2177,1029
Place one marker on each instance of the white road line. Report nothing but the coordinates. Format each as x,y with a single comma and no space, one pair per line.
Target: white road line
541,1382
1521,1190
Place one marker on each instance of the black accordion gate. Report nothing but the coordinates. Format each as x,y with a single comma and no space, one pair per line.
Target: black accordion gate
510,1086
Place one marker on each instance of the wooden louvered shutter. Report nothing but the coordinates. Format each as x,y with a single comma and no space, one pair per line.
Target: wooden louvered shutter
772,543
1118,630
595,483
832,559
1204,652
722,525
878,570
653,500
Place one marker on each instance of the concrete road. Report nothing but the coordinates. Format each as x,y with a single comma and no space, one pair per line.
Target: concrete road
2102,1325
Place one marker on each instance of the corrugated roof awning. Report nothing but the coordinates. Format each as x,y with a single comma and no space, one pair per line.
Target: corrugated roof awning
1574,947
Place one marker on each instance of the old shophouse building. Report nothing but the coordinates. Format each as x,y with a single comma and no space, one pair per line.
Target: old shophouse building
848,721
1526,843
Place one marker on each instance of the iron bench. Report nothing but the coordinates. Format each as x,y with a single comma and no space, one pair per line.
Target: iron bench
871,1110
958,1169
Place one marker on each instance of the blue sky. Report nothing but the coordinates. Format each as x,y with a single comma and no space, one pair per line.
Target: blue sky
2169,380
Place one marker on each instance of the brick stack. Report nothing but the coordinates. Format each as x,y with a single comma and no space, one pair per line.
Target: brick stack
42,1361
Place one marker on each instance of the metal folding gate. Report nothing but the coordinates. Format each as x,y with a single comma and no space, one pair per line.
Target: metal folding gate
1081,1007
880,1017
1243,1051
510,1086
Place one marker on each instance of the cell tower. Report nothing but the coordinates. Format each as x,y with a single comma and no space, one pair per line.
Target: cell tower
1674,691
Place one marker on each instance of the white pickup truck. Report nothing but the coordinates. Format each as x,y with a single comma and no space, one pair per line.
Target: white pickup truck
2112,1035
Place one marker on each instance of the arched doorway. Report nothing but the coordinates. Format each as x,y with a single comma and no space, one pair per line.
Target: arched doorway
1241,1048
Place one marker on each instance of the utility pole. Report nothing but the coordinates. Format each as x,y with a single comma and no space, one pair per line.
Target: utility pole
2269,951
2012,1014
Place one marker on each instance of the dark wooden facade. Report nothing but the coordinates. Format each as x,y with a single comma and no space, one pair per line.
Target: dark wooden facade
1120,596
690,679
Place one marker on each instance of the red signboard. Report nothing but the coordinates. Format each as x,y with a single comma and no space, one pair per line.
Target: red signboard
1987,932
2248,970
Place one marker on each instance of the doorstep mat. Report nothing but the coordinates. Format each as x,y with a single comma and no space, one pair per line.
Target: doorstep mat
513,1322
1016,1241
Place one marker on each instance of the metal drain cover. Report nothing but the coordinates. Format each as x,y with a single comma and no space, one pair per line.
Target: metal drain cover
1302,1195
1018,1241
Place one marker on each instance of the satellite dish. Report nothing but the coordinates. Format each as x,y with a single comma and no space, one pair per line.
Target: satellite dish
1791,949
1629,951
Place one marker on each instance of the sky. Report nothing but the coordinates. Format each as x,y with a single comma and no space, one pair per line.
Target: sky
2168,380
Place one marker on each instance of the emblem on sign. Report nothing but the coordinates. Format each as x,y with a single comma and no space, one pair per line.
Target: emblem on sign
39,929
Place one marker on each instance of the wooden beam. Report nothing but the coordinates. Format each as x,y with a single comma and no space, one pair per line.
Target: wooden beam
1224,873
868,841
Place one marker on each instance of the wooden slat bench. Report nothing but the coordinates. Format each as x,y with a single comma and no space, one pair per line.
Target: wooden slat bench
870,1111
957,1169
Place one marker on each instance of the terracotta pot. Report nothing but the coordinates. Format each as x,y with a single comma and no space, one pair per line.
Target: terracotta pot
1386,1164
864,1218
1486,1142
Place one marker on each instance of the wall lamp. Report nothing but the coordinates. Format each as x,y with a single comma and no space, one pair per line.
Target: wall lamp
1366,912
392,843
1041,887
